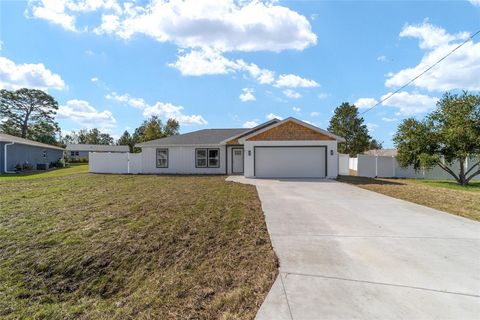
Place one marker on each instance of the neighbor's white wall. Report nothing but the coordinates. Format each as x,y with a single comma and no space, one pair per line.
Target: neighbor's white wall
332,160
181,160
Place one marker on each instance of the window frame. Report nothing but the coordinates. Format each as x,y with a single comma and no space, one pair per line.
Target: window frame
156,157
207,158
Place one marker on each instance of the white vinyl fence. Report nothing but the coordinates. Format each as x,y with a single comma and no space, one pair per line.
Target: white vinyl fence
103,162
353,164
343,164
388,167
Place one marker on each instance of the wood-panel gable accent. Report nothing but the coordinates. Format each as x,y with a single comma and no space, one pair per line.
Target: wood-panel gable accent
289,131
233,142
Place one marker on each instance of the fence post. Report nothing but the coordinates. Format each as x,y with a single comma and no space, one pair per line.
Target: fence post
376,166
128,162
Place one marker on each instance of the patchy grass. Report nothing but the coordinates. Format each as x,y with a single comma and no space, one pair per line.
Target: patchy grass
131,247
441,195
72,169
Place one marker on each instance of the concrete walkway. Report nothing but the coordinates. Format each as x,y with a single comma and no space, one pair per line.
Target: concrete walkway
349,253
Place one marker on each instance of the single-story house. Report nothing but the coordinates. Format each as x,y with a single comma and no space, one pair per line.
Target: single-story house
80,151
18,151
287,148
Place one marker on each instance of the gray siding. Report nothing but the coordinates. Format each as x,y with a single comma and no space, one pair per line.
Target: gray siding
21,153
1,157
81,155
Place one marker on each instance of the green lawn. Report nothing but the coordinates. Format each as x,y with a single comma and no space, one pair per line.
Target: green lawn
73,169
473,186
77,245
442,195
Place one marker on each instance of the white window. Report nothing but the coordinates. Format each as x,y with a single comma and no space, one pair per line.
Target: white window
162,158
207,158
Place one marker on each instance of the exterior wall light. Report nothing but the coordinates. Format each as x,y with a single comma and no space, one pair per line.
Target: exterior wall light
331,152
249,153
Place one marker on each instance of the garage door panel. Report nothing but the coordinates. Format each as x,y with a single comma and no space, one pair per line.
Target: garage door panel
290,162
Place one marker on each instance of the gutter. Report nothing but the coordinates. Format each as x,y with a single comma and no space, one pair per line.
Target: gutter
5,167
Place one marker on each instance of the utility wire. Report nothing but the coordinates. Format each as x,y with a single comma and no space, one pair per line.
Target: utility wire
421,74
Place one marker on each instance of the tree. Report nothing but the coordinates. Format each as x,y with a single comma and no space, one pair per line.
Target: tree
126,140
28,110
153,128
347,123
375,145
84,136
450,133
171,128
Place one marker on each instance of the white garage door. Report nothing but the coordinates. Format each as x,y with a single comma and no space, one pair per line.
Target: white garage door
290,162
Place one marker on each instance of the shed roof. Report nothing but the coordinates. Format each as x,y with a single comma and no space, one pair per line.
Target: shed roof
9,138
200,137
96,148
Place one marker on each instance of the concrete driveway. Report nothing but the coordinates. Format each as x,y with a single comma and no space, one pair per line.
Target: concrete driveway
349,253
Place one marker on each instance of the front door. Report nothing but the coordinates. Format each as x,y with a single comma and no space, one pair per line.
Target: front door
237,160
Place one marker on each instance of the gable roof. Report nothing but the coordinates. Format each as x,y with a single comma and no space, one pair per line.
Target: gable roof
96,148
248,131
9,138
312,127
200,137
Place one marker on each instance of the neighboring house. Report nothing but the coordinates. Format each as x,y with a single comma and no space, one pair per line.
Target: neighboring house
381,152
80,151
286,148
18,151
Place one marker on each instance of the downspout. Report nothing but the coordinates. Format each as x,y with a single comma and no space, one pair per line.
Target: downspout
5,167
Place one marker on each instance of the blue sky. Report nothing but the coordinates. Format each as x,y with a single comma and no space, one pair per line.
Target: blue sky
213,64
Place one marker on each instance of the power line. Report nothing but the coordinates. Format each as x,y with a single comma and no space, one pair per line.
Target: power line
421,74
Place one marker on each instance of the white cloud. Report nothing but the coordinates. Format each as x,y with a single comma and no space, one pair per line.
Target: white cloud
247,95
94,79
389,119
458,71
64,12
365,103
272,116
224,25
168,110
208,62
296,109
291,94
314,114
250,124
322,96
14,76
138,103
371,126
203,62
475,2
161,109
294,81
431,36
382,58
410,103
82,112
